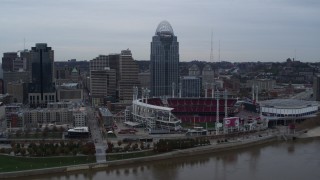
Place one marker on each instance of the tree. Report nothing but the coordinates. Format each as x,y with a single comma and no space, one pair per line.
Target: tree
16,151
66,150
141,145
110,147
23,151
45,132
135,146
88,149
36,135
57,151
119,143
62,144
30,151
74,151
126,147
48,151
13,144
61,129
54,129
27,132
18,133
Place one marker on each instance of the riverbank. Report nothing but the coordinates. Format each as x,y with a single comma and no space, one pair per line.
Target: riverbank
311,133
236,144
243,142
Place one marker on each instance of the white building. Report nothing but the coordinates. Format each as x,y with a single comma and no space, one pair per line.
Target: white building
80,117
36,117
152,116
288,109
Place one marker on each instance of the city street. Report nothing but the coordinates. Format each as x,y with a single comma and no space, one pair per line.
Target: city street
96,135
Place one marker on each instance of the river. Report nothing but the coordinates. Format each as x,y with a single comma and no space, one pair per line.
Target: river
277,161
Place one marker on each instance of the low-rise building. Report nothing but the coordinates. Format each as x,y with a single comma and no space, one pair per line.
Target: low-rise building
80,117
69,92
106,117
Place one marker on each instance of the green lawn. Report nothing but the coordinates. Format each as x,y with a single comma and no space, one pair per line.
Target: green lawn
11,163
49,135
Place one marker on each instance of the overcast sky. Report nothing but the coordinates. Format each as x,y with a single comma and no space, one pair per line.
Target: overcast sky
248,30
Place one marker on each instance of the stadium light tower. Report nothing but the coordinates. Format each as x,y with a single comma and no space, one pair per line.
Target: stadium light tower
225,103
217,115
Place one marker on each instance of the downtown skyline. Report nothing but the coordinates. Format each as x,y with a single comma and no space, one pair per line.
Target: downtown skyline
248,30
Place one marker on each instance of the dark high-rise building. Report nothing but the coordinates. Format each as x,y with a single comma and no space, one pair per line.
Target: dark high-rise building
41,89
7,60
164,65
316,87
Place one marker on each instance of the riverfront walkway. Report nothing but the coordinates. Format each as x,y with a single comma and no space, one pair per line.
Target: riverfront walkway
314,132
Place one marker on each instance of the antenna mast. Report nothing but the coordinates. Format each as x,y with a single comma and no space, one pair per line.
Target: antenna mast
219,52
211,61
211,51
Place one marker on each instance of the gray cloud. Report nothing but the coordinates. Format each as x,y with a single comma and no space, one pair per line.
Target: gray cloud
248,29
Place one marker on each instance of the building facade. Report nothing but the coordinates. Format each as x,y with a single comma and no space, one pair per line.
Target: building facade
113,75
191,86
15,67
316,87
14,119
207,76
262,84
80,117
99,63
7,60
15,76
41,89
128,76
18,91
164,61
102,85
144,79
70,92
106,117
194,70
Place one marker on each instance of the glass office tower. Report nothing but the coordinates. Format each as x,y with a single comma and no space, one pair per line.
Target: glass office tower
164,65
41,89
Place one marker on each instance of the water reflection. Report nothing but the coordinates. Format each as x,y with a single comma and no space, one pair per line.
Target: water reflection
291,148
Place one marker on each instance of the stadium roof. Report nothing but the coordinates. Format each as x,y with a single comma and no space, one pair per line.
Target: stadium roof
138,102
287,103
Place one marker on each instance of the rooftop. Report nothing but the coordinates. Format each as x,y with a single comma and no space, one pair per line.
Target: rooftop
164,27
287,103
105,112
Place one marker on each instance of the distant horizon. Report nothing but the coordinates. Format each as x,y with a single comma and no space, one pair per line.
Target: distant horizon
214,61
246,30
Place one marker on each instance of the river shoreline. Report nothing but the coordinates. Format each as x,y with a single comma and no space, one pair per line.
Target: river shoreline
236,144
